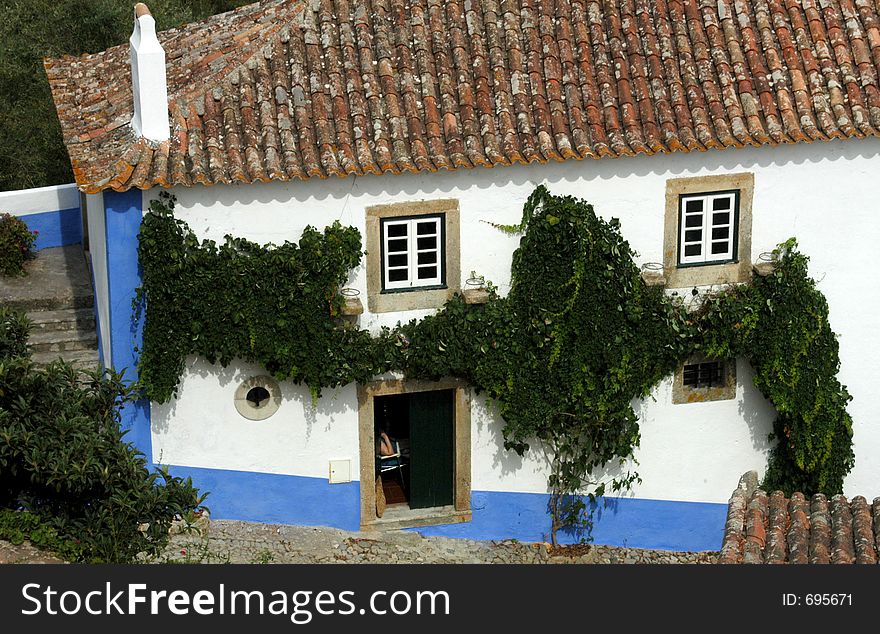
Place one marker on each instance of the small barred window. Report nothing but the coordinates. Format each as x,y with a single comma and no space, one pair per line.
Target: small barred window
709,374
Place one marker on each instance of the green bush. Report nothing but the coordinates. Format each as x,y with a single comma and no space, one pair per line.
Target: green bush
13,333
64,459
16,241
18,526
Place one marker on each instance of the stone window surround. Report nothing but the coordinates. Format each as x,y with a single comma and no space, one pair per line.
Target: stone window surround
682,394
708,274
246,409
385,302
461,508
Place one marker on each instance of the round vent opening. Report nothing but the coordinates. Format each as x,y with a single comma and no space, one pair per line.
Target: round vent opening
258,398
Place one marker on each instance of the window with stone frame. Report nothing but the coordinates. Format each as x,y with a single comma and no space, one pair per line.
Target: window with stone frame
413,251
701,379
412,255
708,230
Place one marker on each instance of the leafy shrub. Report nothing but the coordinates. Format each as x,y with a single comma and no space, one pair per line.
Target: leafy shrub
18,526
64,459
16,241
14,327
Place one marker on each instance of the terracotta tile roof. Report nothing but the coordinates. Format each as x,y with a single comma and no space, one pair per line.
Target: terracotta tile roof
286,89
773,529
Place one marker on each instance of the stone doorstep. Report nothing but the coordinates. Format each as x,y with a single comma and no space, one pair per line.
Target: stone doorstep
65,319
400,516
63,340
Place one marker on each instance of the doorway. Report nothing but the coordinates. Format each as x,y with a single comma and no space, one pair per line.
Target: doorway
429,424
418,469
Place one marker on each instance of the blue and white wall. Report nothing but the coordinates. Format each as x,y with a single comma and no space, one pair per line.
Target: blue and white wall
52,211
118,217
691,456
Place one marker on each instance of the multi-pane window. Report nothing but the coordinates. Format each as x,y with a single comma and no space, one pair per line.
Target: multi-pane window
412,252
708,228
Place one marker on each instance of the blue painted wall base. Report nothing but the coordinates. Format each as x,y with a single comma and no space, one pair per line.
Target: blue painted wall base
276,499
632,522
123,213
57,228
285,499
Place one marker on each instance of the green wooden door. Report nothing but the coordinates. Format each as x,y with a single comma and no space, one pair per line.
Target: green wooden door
431,423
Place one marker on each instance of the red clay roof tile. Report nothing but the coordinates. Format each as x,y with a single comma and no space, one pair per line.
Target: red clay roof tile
285,89
776,530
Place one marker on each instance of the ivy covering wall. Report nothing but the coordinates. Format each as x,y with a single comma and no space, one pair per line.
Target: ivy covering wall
273,305
780,324
579,336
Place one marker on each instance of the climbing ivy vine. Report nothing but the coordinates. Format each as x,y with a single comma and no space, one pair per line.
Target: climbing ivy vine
780,324
577,339
274,305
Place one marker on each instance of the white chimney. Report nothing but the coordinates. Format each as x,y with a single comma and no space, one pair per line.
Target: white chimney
148,78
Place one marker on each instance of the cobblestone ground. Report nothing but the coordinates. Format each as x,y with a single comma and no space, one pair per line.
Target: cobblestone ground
245,543
242,542
24,554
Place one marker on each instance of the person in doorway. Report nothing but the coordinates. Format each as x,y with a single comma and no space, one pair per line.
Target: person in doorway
385,448
386,445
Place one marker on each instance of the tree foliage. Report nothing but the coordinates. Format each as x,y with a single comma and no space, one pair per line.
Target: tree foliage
32,153
65,461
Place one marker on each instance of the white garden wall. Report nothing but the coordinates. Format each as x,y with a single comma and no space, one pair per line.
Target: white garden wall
822,193
25,202
53,212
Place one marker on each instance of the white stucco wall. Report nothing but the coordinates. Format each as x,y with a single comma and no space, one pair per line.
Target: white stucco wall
98,251
203,429
25,202
822,193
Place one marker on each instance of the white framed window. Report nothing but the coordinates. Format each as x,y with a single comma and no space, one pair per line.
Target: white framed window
708,227
413,251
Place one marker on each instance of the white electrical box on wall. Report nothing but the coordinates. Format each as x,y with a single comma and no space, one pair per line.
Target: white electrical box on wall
340,471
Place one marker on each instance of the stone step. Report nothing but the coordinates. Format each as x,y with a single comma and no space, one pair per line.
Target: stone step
56,279
68,319
63,340
58,302
78,358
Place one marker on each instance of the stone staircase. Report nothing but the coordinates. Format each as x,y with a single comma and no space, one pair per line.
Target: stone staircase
57,296
68,333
